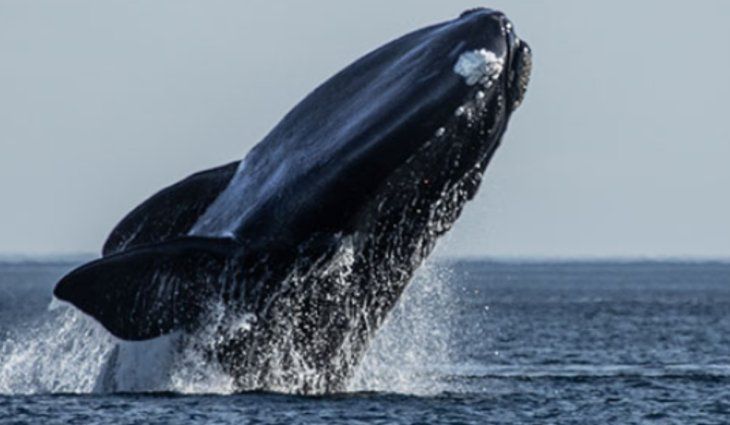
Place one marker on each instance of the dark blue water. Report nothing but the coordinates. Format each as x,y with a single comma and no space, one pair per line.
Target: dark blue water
473,342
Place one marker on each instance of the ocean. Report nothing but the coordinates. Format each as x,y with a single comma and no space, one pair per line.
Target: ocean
471,342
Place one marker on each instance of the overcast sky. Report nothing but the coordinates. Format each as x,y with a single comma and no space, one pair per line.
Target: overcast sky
621,148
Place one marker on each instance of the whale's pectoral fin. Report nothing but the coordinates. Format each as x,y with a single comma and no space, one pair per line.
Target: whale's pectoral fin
171,212
152,290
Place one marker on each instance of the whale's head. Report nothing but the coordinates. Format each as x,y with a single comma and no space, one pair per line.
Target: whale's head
424,112
466,77
489,73
494,53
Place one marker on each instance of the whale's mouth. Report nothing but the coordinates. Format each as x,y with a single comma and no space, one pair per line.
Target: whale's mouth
520,69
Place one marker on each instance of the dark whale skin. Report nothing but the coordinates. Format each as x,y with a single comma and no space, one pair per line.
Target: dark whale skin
313,236
170,212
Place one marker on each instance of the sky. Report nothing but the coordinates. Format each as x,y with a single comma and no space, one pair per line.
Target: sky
620,149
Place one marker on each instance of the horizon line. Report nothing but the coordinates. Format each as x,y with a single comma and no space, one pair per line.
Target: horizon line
19,258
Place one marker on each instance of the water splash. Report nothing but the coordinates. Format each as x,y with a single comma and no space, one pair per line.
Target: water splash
143,366
64,352
415,344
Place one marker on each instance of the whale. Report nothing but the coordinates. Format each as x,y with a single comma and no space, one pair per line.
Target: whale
290,259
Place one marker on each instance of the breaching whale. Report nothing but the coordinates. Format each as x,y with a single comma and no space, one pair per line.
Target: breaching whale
307,243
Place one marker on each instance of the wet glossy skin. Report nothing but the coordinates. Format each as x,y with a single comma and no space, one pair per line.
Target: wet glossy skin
321,226
333,151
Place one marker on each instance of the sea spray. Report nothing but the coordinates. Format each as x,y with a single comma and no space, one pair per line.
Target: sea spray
144,366
63,351
412,348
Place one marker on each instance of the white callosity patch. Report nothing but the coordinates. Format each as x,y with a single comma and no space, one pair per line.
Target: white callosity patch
479,66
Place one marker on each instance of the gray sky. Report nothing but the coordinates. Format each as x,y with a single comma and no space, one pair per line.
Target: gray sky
621,148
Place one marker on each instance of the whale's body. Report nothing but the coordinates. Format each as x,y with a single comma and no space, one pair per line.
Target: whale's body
312,237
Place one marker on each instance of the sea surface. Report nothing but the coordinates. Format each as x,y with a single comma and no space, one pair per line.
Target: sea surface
472,342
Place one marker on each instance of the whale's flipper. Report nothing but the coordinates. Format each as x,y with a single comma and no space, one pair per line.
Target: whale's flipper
171,212
152,290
